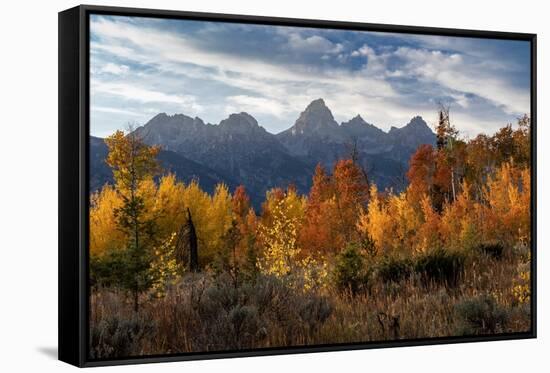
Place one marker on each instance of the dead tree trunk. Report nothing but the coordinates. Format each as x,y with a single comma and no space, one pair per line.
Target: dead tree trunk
186,245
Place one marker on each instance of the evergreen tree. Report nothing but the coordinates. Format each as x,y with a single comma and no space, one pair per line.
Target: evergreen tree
133,163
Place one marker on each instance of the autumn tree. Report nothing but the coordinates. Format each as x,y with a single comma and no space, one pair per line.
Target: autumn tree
333,207
407,220
421,173
318,235
169,205
504,145
392,221
351,194
236,237
241,209
244,220
480,160
249,238
279,239
428,236
461,221
293,202
522,141
104,233
377,223
219,217
240,202
429,174
508,196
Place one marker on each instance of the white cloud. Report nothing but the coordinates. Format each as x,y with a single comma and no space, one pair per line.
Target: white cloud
258,105
457,73
113,110
461,99
314,43
112,68
365,50
136,93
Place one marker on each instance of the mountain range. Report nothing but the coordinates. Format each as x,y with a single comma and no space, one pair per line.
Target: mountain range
240,151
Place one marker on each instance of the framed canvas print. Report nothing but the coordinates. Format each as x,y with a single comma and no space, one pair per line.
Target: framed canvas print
240,186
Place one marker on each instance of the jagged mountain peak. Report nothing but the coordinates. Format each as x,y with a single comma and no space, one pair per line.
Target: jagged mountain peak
357,127
317,104
241,123
416,125
241,118
164,119
413,134
417,121
356,121
318,110
316,119
162,115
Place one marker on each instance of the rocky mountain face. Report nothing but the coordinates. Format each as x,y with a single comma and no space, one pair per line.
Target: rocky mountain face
238,147
240,151
414,133
316,137
316,127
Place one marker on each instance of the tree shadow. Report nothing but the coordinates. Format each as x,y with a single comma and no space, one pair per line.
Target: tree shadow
50,352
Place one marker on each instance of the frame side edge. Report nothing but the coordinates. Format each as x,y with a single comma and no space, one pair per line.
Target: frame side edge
68,169
534,292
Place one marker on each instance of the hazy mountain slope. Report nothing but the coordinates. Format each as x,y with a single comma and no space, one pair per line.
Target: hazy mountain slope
185,169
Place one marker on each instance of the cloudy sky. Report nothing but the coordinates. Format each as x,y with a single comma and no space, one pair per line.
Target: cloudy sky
143,66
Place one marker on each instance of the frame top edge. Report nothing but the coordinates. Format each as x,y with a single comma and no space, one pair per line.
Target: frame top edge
304,22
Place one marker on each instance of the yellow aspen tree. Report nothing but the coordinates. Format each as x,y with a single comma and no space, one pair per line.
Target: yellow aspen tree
219,216
406,221
169,205
379,223
508,197
104,234
523,207
280,241
429,235
460,221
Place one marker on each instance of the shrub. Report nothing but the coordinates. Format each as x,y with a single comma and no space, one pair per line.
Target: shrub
522,251
393,269
440,266
115,337
227,319
481,315
368,246
349,270
267,293
315,311
244,324
240,317
492,249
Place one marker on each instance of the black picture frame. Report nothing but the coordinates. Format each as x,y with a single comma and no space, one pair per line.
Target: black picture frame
74,172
